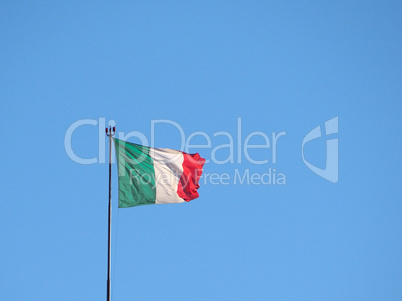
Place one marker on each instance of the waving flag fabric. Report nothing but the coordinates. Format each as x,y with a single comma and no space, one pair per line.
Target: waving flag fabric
156,175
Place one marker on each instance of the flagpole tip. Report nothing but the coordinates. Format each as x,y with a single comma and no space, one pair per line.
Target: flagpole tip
110,131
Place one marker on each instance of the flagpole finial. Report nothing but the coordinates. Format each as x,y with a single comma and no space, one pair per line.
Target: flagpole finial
110,131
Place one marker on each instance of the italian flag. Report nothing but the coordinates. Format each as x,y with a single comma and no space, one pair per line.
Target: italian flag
156,175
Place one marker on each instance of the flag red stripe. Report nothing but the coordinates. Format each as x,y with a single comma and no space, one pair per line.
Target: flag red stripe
192,170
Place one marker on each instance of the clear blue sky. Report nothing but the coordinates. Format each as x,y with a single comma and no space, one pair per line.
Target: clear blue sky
280,66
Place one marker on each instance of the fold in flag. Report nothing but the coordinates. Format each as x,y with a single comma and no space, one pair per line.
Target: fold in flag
156,175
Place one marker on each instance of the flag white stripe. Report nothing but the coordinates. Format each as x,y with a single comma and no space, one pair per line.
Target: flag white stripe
168,166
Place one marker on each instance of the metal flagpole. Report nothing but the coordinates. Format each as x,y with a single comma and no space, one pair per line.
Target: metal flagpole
109,132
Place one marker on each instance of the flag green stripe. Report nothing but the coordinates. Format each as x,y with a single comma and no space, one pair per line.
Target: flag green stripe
136,174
